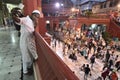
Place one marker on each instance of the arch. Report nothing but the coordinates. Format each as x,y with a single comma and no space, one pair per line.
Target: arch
98,27
83,27
90,21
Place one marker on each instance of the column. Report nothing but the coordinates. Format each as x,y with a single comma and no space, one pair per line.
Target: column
29,6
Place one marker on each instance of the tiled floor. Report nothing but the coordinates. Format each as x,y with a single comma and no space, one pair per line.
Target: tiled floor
10,56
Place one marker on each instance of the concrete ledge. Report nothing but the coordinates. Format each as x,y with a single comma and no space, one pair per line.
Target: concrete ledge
37,74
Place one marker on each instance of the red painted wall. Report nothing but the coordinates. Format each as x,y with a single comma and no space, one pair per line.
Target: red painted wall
114,29
29,6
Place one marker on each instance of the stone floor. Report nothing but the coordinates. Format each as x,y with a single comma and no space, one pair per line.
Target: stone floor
10,56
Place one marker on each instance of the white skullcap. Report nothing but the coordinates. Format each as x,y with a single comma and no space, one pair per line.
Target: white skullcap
36,11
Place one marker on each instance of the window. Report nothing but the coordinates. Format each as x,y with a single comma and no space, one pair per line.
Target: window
104,5
110,5
113,3
101,6
116,2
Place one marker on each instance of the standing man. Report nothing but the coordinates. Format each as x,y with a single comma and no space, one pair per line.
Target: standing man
87,71
107,56
27,41
92,59
17,11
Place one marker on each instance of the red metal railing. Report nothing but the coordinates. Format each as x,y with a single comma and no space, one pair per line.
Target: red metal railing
50,66
114,29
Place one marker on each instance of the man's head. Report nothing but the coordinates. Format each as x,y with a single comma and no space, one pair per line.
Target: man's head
36,11
35,14
16,12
